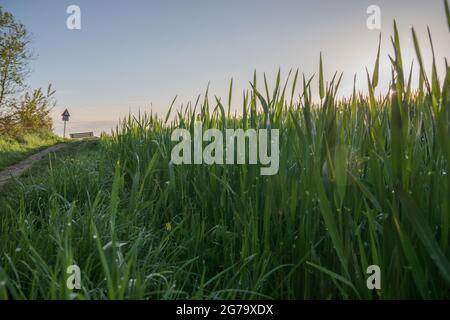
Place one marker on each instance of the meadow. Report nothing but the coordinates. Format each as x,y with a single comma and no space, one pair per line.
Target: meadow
362,181
14,149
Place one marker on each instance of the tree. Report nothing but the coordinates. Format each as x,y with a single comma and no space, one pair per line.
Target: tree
14,56
33,111
19,112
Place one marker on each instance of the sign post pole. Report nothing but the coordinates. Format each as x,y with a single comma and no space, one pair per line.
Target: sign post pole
65,118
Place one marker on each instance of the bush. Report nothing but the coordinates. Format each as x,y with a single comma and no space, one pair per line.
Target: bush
30,115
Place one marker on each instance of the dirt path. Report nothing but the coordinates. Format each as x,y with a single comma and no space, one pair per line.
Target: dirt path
17,169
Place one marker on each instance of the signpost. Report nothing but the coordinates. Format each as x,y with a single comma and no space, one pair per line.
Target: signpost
65,118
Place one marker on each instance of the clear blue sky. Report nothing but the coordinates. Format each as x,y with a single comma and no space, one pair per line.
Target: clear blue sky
137,54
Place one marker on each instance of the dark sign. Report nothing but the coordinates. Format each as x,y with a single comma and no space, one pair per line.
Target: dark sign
65,115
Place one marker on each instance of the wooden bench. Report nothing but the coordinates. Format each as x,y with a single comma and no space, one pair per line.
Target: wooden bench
81,135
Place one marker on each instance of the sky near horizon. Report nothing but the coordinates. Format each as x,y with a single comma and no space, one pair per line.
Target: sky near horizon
138,55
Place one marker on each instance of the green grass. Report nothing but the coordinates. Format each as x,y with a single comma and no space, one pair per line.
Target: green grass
362,181
13,150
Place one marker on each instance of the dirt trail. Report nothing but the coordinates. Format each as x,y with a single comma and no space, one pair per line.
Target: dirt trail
17,169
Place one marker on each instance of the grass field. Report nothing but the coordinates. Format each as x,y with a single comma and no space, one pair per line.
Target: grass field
13,150
362,181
